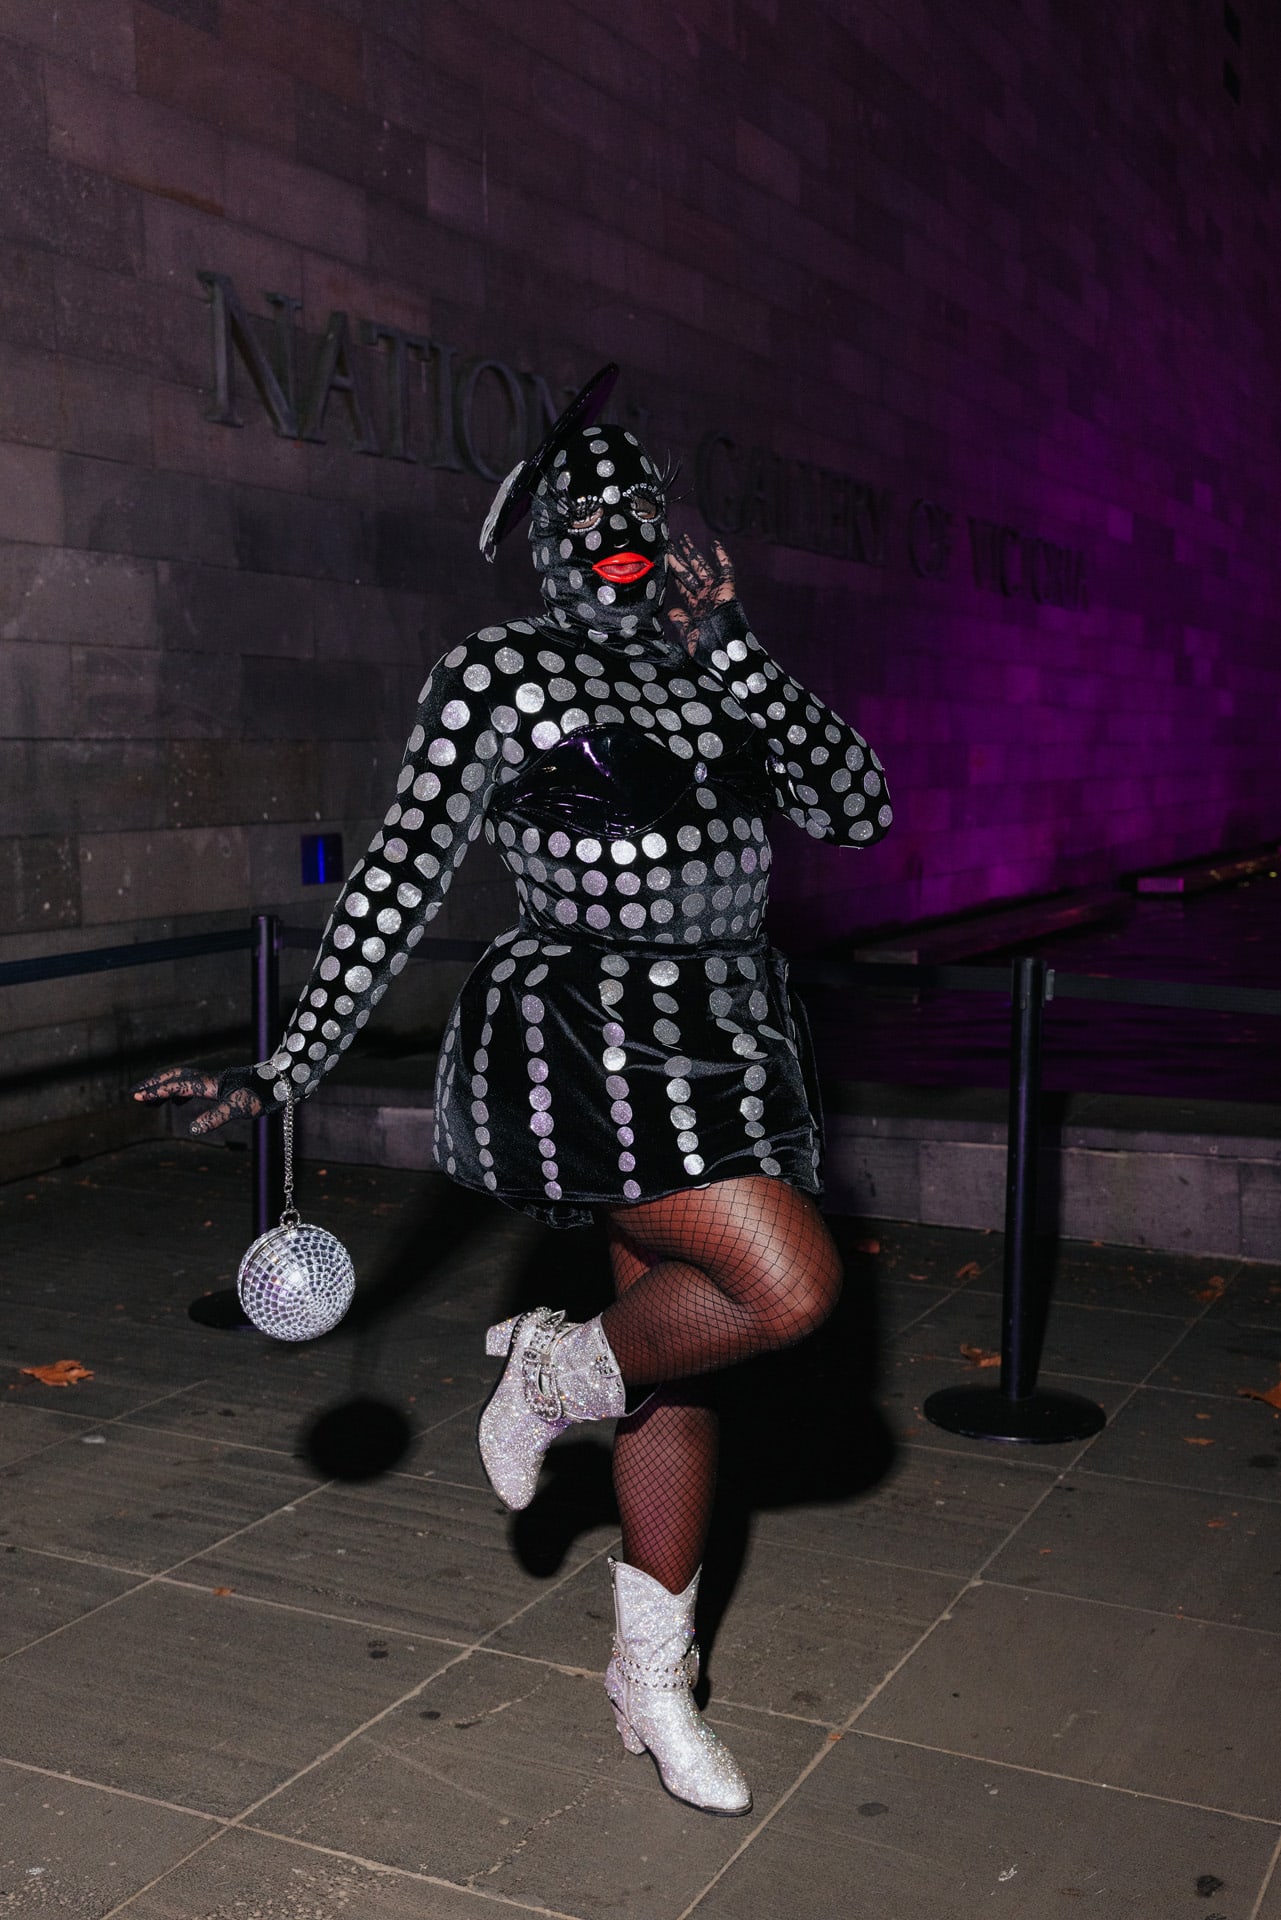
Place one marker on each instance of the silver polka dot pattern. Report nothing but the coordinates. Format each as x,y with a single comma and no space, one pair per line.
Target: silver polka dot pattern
697,874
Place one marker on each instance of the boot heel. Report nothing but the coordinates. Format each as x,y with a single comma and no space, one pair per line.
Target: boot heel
498,1339
625,1734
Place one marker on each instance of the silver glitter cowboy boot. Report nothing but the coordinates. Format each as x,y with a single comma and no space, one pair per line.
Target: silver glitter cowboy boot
556,1374
650,1683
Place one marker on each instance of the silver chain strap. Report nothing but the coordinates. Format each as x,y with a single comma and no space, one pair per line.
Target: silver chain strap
289,1218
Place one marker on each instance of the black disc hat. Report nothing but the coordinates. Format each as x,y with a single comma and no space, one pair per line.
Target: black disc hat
511,502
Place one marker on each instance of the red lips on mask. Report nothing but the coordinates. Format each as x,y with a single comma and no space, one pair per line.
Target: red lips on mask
623,569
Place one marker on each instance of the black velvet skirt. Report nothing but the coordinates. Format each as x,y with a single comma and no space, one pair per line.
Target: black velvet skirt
576,1074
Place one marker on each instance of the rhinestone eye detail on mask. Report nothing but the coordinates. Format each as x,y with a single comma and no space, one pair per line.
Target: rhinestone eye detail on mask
584,514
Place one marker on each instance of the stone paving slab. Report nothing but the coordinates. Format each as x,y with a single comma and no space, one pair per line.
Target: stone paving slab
508,1776
1116,1695
253,1407
207,1701
405,1553
1115,1346
1253,1299
808,1633
908,1250
908,1379
902,1303
1085,1274
1222,1356
941,1512
1205,1441
140,1500
25,1430
243,1875
237,1679
70,1848
1205,1556
122,1382
40,1592
905,1832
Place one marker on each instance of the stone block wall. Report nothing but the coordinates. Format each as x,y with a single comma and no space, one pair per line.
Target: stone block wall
991,291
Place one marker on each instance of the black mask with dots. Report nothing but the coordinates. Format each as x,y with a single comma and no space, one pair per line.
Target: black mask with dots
598,530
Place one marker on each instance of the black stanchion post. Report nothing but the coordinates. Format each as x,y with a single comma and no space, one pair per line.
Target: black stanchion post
1017,1410
222,1309
268,1164
1018,1329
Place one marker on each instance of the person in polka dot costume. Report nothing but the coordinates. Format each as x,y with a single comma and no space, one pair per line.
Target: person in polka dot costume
629,1048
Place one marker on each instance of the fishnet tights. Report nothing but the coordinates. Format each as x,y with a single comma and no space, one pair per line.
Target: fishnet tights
704,1278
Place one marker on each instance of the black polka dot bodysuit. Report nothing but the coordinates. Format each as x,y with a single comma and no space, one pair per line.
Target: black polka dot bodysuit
632,1034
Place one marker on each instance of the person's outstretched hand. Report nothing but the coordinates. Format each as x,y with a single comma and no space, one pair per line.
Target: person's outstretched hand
702,585
194,1083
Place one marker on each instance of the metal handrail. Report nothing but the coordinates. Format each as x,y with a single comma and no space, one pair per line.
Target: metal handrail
141,953
1058,986
950,978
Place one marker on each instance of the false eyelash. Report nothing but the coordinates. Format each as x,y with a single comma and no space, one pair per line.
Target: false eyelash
665,474
572,509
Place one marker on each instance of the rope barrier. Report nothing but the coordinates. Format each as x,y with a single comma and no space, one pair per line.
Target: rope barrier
1016,1410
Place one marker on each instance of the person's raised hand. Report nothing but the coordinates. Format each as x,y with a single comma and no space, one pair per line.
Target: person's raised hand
702,584
194,1083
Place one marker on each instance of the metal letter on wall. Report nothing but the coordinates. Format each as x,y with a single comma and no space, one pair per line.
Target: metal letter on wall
232,334
335,372
466,406
400,344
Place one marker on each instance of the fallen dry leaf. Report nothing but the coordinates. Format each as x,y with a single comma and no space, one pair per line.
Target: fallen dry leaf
62,1373
980,1356
1213,1288
1272,1398
222,1592
1197,1440
918,1276
970,1271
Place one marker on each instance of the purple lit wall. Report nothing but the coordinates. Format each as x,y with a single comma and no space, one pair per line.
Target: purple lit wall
1054,306
963,318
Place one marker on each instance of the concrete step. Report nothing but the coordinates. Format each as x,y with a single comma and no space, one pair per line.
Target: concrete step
373,1112
1180,1176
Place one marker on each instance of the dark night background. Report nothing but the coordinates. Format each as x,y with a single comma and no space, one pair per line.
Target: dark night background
1019,262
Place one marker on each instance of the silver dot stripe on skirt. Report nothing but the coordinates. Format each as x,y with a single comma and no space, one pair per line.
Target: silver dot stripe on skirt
619,1071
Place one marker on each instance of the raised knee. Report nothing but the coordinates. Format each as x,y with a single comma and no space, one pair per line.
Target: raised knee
816,1296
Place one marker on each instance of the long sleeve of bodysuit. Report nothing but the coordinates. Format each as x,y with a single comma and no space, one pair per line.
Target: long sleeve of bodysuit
825,776
466,739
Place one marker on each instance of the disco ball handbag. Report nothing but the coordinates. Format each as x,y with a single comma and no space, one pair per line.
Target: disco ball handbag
297,1281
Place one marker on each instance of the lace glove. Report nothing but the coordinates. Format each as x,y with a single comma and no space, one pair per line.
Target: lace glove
233,1091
